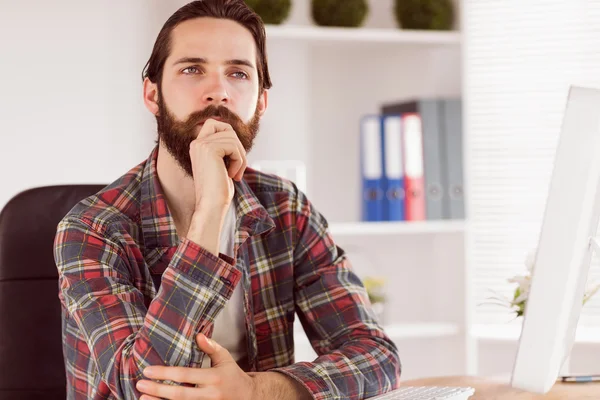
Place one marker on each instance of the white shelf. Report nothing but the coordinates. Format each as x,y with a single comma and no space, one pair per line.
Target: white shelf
411,330
327,35
396,228
512,332
421,330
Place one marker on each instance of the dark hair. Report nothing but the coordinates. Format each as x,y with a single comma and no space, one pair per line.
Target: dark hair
235,10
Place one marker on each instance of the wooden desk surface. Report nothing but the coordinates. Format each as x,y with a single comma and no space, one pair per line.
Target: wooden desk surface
486,389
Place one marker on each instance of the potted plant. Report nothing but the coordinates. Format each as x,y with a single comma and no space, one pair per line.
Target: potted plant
273,12
518,300
341,13
375,290
424,14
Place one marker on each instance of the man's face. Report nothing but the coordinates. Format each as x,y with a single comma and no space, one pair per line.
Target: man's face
210,72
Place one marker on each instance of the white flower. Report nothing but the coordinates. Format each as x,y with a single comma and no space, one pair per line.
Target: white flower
530,260
524,282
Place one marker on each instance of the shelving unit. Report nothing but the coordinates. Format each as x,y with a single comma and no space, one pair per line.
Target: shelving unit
396,332
421,330
512,332
324,81
368,36
411,330
396,228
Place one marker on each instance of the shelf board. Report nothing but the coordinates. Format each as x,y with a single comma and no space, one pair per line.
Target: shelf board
396,228
512,332
421,330
411,330
324,35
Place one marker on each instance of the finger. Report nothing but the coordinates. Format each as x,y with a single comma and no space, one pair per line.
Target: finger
238,164
240,173
229,148
210,392
212,126
166,391
216,352
196,376
148,397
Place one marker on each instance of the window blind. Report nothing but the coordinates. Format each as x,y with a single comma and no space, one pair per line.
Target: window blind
520,57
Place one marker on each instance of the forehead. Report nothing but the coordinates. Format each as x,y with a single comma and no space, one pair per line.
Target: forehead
212,38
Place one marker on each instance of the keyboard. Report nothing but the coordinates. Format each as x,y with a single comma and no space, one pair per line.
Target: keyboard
427,393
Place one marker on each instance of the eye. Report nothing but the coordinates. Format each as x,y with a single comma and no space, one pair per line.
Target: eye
240,75
190,70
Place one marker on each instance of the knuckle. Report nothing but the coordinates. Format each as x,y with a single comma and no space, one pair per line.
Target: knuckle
219,395
196,144
179,393
203,145
214,394
217,380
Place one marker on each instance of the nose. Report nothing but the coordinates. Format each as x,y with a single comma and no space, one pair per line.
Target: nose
216,92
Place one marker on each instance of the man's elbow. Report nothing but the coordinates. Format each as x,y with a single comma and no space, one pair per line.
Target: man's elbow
392,366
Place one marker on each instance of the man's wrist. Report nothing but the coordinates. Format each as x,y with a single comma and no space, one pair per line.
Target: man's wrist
275,385
205,228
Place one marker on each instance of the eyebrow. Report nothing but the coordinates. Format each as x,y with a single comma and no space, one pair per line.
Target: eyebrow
200,60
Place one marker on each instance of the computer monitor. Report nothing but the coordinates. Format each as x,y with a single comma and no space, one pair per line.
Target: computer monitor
565,247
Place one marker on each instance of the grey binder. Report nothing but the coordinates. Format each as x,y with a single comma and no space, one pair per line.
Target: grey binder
452,115
434,154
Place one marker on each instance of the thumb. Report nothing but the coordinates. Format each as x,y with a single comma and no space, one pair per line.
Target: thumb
216,352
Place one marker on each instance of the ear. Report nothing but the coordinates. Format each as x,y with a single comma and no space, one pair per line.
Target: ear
151,96
263,102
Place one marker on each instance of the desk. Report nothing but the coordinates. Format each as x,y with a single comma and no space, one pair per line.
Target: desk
486,389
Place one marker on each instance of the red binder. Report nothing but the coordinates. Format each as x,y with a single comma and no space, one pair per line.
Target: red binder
413,168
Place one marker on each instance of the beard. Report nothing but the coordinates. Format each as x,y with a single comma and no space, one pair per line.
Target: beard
178,135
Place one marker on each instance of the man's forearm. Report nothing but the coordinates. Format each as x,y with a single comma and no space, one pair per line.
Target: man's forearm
275,385
205,228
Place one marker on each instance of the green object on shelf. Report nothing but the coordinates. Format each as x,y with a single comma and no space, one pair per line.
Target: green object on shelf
425,14
272,12
342,13
375,289
520,306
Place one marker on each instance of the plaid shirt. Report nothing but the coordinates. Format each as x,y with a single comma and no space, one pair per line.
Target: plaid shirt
134,294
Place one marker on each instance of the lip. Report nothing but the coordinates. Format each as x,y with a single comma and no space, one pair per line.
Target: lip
215,118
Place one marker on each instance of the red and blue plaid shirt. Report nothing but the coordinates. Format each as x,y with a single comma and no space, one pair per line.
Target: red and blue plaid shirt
134,294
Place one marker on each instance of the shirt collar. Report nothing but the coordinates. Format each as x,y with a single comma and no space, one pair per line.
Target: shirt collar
157,223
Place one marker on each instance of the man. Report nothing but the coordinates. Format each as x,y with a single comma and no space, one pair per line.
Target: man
182,279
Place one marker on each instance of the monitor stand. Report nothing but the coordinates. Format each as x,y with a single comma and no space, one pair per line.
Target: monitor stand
594,247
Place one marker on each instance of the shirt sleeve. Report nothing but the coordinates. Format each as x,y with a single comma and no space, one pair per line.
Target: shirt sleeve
356,359
124,333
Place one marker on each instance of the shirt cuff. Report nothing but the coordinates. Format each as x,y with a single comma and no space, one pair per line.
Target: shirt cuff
217,273
304,374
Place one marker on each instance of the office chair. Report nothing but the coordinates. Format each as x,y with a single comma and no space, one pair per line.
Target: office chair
31,358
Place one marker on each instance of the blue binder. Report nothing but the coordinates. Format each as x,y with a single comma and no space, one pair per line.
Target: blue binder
393,160
373,182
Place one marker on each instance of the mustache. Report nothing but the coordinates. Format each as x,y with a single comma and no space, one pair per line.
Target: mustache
221,112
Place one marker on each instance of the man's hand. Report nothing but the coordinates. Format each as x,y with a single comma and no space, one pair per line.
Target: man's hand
224,380
213,180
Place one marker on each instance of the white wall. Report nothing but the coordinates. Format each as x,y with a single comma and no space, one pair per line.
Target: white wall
70,98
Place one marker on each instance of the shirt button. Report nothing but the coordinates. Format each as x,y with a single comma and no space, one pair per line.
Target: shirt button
226,281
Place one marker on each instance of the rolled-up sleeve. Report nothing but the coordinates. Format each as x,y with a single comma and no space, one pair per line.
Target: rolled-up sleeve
123,332
356,359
